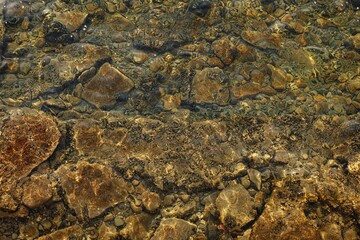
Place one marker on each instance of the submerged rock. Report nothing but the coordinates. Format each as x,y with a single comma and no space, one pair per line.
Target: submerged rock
175,229
103,89
236,207
26,141
92,187
209,86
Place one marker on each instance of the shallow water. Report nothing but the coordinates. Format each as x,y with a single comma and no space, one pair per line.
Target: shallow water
191,119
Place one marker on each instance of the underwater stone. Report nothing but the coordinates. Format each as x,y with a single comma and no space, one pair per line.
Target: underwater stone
236,207
106,85
262,40
200,7
26,141
177,228
92,187
37,191
209,86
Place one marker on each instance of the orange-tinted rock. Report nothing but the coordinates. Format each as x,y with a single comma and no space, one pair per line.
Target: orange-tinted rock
225,50
174,228
262,40
245,90
209,86
26,141
92,187
37,191
103,89
279,78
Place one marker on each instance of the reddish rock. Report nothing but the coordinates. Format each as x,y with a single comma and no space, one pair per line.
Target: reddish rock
26,141
174,229
37,191
92,187
103,89
209,86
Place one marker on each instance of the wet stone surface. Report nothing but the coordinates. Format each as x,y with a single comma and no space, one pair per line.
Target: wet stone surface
190,119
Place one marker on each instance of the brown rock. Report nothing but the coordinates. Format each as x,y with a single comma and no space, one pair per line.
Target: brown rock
26,141
262,40
236,207
171,101
37,191
245,90
225,50
174,229
107,232
87,136
105,86
279,78
246,53
281,156
151,201
72,20
209,86
356,41
279,222
137,227
92,187
72,232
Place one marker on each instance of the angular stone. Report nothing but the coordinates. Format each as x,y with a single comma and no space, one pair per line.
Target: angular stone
103,89
262,40
174,228
246,53
107,231
225,50
236,207
171,101
26,141
72,20
92,187
151,201
245,90
137,227
72,232
209,86
279,78
280,222
37,191
87,136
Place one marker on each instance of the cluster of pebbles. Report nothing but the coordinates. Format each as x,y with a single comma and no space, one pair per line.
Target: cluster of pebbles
190,119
